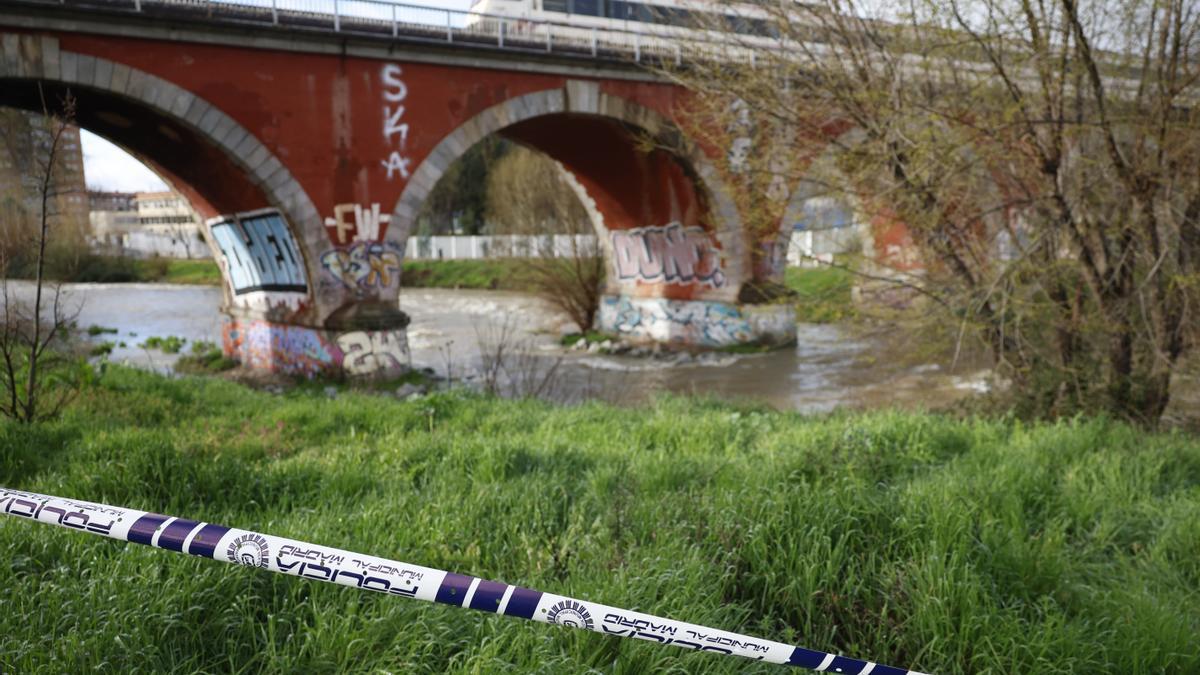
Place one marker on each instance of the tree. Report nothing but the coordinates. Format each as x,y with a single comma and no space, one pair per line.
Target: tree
530,194
1043,155
32,361
461,196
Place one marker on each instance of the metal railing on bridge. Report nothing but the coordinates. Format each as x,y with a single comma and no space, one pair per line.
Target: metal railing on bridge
415,22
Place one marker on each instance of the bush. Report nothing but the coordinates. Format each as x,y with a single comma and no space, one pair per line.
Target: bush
205,358
170,345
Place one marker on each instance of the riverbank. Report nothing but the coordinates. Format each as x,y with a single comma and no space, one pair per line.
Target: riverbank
912,539
100,269
823,295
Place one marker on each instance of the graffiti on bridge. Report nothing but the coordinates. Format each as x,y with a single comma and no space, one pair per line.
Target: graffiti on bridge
260,253
369,352
368,224
671,254
710,324
298,350
394,92
364,266
294,350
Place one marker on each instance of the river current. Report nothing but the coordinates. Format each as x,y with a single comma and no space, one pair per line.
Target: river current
831,366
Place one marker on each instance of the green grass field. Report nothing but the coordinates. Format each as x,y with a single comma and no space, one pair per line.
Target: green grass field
107,269
911,539
198,272
496,274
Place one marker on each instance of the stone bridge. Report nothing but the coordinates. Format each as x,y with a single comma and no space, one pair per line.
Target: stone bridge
309,150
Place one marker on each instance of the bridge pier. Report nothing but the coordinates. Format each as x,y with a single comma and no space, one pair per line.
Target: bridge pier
696,323
309,352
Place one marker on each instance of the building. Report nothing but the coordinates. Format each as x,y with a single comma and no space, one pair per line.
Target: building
145,224
112,216
25,142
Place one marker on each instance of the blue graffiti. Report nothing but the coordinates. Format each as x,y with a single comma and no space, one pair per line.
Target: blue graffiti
709,324
260,254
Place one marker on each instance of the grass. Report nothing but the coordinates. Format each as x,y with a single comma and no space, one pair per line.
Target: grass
103,349
193,272
911,539
172,344
106,269
592,336
824,294
503,274
205,358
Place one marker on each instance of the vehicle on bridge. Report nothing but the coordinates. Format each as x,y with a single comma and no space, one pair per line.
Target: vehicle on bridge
622,21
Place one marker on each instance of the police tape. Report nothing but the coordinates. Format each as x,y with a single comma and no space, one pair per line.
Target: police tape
310,561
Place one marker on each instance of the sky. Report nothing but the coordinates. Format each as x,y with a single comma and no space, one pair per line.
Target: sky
107,167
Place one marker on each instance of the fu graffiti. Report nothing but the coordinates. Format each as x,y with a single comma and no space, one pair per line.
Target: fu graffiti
395,129
368,223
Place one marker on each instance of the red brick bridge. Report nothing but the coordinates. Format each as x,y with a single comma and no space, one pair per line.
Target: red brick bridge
310,147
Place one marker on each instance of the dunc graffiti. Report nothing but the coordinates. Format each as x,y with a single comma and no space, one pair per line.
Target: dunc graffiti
260,253
710,324
365,353
670,253
364,266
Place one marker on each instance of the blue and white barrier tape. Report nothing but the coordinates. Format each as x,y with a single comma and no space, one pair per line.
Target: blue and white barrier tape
302,559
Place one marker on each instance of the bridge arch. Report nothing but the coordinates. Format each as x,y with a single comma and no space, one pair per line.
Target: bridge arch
543,119
214,161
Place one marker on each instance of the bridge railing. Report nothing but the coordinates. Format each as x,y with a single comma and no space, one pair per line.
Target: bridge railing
399,20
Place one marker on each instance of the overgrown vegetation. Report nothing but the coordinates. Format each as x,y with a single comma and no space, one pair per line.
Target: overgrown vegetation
172,344
531,194
1030,169
942,545
205,358
39,375
823,294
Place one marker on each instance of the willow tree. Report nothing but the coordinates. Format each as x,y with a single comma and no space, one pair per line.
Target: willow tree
1043,156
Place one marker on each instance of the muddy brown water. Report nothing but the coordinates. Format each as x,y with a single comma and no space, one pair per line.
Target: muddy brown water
831,366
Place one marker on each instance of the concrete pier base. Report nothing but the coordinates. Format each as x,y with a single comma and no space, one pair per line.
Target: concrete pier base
309,352
696,322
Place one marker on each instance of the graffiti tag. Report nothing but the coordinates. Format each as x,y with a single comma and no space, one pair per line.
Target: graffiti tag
364,266
260,254
365,353
712,324
368,223
288,349
671,254
395,131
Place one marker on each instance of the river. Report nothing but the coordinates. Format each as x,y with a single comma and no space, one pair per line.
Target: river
830,367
